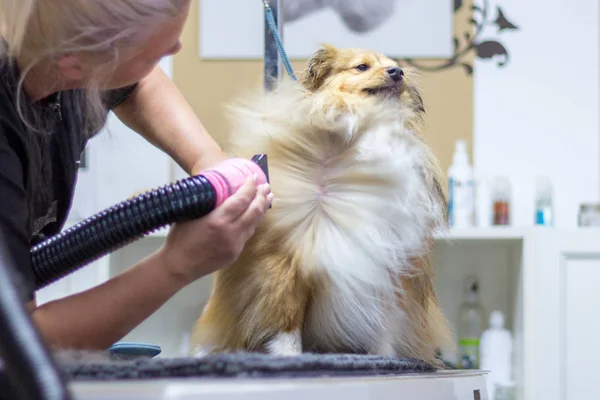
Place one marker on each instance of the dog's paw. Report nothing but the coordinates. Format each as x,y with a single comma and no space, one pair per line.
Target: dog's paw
384,347
286,344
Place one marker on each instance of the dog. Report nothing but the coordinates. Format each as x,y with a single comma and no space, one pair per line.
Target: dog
342,261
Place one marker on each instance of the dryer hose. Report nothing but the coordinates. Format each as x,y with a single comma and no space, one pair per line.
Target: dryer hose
119,225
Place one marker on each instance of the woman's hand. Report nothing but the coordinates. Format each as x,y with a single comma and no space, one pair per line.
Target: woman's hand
198,248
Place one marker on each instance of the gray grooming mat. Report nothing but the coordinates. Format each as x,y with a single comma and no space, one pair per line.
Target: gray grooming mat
245,365
239,365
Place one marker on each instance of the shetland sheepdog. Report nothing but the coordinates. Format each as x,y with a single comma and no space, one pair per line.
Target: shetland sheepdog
342,261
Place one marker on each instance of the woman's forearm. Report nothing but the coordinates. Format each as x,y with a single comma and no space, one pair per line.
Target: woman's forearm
99,317
158,111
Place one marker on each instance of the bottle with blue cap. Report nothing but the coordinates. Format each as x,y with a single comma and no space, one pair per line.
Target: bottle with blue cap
543,202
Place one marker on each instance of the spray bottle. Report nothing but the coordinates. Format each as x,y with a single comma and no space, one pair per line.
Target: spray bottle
461,205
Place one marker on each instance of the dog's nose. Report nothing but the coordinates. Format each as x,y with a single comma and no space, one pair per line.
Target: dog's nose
395,73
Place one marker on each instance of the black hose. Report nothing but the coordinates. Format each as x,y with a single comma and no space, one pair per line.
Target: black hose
123,223
31,370
119,225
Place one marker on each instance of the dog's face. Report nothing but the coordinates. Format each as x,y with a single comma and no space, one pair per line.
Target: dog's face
360,72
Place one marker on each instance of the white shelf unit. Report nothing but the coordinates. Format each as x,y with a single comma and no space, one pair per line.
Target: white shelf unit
494,256
546,281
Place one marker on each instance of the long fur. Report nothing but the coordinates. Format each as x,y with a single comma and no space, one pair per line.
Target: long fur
341,261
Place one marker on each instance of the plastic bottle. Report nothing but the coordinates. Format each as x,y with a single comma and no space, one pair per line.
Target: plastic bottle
543,202
461,205
471,323
496,354
501,201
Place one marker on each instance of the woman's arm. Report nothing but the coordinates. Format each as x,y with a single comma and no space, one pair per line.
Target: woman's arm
158,111
97,318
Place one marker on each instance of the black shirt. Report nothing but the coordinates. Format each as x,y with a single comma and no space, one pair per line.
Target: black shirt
38,170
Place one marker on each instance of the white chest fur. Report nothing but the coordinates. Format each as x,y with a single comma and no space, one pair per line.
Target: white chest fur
358,212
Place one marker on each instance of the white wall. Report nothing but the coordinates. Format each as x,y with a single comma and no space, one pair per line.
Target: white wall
126,162
539,114
350,23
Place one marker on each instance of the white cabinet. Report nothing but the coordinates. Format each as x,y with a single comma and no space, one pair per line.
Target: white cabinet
561,315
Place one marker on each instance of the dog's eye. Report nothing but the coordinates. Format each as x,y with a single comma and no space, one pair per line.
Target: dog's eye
362,67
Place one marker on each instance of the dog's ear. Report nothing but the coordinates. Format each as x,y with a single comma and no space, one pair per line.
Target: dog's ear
319,67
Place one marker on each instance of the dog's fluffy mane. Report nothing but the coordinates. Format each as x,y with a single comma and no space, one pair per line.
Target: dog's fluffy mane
346,156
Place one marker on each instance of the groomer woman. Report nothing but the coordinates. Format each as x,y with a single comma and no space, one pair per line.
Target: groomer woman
65,64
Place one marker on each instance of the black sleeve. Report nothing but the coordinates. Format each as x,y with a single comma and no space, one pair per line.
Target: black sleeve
14,214
113,98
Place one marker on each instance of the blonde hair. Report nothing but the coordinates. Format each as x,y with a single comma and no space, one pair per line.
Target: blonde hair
38,30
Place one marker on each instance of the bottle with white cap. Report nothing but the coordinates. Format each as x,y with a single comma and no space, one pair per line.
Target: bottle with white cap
461,193
496,354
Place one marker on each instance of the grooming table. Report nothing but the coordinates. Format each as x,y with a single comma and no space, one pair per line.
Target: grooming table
439,386
257,376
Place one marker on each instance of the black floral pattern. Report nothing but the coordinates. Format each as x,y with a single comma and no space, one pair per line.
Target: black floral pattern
484,48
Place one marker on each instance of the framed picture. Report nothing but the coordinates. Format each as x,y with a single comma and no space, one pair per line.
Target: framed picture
234,29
